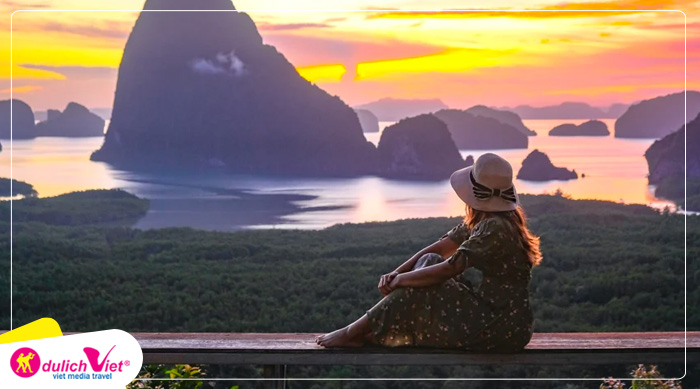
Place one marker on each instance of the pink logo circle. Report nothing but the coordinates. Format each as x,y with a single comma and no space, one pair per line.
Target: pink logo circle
25,362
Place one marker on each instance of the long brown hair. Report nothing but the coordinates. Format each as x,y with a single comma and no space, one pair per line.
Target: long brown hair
518,223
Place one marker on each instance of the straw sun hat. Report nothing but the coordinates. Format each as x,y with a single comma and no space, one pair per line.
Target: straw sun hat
487,185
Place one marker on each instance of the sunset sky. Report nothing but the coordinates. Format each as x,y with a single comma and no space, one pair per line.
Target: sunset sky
544,56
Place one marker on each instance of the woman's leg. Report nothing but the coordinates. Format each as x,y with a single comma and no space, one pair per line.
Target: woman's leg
431,259
352,335
426,260
355,334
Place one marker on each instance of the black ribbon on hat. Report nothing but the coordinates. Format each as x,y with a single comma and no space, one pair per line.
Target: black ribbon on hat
483,192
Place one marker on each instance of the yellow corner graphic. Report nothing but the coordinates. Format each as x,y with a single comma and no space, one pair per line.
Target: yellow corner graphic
38,329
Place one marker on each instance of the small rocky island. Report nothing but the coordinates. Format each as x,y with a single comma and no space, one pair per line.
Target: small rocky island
474,132
657,117
368,121
589,128
22,120
507,117
469,160
74,121
419,147
538,167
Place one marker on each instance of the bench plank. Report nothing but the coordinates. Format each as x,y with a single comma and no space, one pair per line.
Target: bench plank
300,349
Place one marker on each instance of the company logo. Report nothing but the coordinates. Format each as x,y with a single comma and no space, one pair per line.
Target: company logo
25,362
67,369
93,355
88,360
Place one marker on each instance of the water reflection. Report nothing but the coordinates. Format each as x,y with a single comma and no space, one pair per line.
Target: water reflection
614,169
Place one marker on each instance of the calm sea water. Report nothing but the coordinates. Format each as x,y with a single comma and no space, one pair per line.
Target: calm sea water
615,170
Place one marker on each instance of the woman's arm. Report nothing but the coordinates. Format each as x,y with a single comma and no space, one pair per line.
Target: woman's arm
443,247
431,275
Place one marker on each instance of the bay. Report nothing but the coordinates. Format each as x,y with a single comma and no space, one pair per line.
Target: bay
615,170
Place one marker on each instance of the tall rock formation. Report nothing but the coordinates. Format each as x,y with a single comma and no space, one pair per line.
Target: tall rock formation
674,164
22,120
667,156
419,147
657,117
480,132
201,89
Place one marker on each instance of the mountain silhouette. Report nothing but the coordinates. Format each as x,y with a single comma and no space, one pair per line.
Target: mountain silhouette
201,89
567,110
392,110
657,117
502,116
474,132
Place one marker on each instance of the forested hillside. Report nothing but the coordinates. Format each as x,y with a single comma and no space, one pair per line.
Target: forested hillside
606,267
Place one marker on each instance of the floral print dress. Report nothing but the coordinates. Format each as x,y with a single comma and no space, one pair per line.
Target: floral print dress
496,315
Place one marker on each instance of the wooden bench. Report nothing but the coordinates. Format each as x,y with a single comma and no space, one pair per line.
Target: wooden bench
276,351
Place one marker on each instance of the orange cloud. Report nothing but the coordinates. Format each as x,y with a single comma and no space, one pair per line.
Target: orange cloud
565,10
85,72
22,89
672,26
15,5
322,73
602,90
643,69
106,29
291,26
448,61
626,23
339,48
24,73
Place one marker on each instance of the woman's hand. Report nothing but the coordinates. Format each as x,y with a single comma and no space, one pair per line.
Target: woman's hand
391,285
385,281
395,283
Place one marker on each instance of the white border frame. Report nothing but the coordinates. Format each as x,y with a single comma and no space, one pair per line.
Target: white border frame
685,199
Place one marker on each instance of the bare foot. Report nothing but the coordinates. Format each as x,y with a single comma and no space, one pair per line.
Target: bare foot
338,338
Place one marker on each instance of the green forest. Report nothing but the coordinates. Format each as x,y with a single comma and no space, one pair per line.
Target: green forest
606,267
